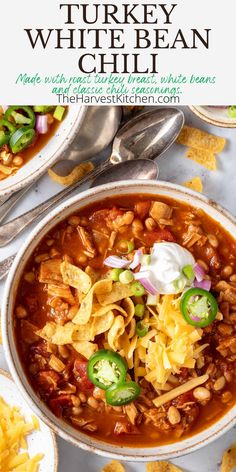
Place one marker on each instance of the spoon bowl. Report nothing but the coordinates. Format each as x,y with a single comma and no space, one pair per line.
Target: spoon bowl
133,170
147,135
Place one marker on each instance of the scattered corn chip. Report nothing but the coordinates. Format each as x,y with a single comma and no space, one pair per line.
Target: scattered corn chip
75,277
195,184
229,459
74,176
162,467
203,157
118,292
102,287
113,466
14,431
85,348
198,139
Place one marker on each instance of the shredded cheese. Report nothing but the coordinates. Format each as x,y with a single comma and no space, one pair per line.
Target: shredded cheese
13,432
167,397
170,345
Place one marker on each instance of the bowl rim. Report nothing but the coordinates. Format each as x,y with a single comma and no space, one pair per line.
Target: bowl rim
33,175
105,449
199,112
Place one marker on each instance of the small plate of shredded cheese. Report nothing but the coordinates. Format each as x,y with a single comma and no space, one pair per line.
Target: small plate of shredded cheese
26,443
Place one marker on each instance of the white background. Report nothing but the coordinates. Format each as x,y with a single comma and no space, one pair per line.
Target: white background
174,167
17,55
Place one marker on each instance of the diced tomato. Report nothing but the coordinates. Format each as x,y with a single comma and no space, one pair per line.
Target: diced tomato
114,213
80,373
157,235
47,381
184,399
80,367
142,208
59,403
124,427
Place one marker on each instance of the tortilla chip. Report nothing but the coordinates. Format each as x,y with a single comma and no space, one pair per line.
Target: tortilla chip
74,176
162,467
84,313
50,271
128,305
203,157
119,292
93,274
85,348
75,277
228,463
195,184
57,334
116,330
82,332
102,324
63,292
113,466
100,311
196,138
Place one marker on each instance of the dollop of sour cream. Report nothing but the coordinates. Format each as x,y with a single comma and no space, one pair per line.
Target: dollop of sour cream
167,263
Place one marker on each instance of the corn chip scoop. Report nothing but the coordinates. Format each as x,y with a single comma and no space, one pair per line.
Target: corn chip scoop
161,466
202,147
74,176
195,184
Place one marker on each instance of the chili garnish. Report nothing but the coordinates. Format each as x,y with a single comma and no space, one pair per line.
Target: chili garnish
122,394
199,307
106,368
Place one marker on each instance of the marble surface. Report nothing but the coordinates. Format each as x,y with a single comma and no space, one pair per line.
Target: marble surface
174,167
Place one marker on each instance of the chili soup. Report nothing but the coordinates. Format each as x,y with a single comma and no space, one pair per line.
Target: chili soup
24,131
125,320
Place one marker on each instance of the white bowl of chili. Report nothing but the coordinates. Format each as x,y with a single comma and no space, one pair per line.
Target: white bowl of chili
50,140
149,430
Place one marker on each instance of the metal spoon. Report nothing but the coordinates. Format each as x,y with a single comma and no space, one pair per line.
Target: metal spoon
93,137
141,169
132,170
145,136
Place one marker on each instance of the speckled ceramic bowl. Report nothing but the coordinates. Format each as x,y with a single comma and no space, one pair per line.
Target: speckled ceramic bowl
48,155
216,116
65,430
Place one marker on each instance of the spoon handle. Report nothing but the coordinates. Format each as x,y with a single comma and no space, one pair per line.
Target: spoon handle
5,266
11,202
10,230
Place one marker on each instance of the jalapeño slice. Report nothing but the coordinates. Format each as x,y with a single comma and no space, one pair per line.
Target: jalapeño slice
199,307
106,368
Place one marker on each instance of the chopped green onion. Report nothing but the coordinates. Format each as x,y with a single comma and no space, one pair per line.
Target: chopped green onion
42,108
114,274
232,111
58,113
179,283
125,247
126,277
146,259
141,329
139,310
137,289
188,272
